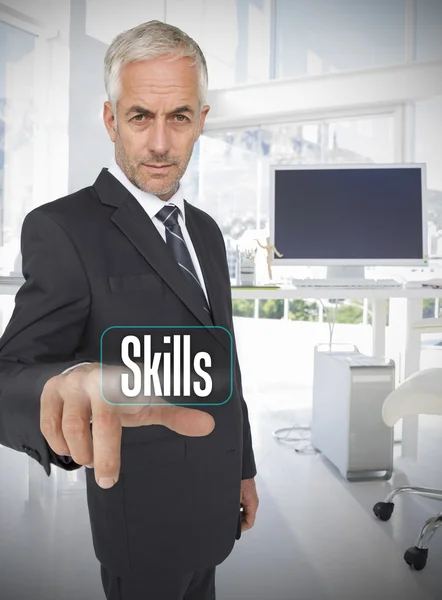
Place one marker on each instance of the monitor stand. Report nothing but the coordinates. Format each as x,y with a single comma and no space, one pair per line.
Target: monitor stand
346,272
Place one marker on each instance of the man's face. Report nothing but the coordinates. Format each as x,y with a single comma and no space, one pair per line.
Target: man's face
159,119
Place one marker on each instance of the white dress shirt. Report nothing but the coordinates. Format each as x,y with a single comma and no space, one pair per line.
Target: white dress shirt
152,204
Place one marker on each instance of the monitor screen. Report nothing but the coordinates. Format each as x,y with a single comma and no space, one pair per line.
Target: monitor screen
349,215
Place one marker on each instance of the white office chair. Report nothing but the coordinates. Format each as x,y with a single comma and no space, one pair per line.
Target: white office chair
412,361
420,394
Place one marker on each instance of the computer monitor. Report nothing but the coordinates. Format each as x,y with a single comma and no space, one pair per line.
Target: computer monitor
349,215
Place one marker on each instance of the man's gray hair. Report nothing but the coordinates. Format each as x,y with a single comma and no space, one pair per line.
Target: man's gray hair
146,41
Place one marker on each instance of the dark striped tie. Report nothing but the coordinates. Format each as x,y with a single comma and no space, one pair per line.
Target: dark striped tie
168,215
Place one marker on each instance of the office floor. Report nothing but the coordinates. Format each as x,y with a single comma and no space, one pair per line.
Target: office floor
315,537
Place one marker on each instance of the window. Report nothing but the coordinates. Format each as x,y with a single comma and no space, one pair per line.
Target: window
316,37
233,34
17,123
228,176
231,169
229,173
428,149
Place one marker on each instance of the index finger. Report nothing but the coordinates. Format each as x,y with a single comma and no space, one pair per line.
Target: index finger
106,438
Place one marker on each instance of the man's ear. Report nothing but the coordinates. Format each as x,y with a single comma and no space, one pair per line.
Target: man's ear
109,120
205,109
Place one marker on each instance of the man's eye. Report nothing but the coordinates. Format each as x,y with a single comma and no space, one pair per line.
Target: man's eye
179,118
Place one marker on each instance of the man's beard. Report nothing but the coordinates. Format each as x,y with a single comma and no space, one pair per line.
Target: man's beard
131,170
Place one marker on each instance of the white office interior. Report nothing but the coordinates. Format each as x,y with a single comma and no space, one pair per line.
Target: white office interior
342,376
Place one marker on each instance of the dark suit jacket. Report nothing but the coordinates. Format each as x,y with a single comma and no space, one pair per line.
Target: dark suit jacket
93,260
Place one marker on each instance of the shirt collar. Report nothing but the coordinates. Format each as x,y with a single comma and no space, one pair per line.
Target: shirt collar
151,203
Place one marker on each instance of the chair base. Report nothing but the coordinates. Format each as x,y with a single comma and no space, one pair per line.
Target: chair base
416,556
431,493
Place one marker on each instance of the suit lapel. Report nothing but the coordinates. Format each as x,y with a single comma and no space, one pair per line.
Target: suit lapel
209,264
137,226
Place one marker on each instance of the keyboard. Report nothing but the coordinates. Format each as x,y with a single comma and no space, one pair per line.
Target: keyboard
362,284
429,283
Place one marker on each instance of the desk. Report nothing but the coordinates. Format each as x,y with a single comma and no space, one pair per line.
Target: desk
405,309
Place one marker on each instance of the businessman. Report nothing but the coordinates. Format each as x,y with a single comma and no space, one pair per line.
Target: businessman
169,488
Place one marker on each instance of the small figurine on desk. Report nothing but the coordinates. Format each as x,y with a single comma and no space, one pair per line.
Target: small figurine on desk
270,251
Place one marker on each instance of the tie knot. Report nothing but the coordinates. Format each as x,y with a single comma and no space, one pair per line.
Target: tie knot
168,215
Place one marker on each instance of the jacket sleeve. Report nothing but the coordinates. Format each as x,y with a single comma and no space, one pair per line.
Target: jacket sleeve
41,338
248,458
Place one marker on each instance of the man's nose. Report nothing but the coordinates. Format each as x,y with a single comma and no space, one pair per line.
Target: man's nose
159,137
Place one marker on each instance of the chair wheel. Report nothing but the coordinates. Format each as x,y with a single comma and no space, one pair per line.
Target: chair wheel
416,557
383,510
